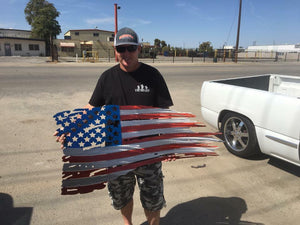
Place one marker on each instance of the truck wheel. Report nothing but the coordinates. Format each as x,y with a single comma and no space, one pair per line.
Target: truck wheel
239,135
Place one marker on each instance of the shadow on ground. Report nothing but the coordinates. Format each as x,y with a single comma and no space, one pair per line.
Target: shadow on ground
10,215
286,166
207,211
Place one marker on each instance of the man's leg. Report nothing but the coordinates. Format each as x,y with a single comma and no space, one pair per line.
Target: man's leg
153,217
150,180
126,212
121,193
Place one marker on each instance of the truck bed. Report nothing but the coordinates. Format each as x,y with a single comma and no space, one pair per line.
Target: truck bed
281,84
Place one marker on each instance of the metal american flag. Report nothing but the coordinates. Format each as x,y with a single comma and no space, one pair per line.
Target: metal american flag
106,142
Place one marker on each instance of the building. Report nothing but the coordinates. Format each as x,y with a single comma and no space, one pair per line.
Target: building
272,52
275,48
86,41
82,43
15,42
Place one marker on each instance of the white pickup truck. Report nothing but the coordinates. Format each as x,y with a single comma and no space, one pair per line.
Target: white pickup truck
256,114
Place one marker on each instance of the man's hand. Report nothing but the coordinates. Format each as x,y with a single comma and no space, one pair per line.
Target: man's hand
60,139
170,158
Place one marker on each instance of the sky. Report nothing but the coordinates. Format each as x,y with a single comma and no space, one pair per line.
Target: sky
180,23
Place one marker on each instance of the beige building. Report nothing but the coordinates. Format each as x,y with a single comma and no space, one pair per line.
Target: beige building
15,42
86,41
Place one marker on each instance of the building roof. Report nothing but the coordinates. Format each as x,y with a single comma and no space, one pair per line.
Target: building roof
14,29
91,30
21,38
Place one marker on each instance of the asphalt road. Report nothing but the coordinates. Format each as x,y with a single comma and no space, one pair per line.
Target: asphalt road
211,190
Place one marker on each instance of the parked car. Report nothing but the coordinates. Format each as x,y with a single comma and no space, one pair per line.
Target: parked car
256,114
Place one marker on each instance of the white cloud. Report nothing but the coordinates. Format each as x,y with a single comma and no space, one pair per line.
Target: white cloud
9,25
253,11
95,21
134,22
180,4
188,8
143,22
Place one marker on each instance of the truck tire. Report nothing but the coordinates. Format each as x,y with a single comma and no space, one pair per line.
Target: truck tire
239,135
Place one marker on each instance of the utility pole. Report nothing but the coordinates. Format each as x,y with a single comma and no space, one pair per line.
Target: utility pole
116,23
238,33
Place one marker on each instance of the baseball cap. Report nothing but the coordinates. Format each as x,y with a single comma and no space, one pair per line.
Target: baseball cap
126,36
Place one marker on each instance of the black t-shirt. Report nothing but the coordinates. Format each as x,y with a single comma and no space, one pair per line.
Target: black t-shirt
145,86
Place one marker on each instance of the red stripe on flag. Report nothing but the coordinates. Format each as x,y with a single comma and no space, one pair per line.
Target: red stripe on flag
154,116
160,126
128,107
166,136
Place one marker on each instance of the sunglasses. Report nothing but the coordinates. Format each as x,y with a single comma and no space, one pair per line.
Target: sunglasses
130,48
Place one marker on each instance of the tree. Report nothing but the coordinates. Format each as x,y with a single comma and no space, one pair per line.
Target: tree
157,43
163,44
205,47
41,15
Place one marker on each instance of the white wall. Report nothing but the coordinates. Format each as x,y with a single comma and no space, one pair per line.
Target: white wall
25,47
275,48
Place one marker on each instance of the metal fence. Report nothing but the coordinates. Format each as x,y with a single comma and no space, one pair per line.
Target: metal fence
219,56
273,56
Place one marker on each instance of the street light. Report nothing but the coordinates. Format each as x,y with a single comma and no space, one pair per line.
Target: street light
116,17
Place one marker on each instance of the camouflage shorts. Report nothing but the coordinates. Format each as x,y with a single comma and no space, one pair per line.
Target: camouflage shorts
150,182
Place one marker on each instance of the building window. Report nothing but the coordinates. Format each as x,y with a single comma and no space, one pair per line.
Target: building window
110,39
34,47
67,49
77,33
96,34
18,47
67,37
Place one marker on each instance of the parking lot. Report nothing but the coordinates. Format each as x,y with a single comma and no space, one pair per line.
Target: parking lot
211,190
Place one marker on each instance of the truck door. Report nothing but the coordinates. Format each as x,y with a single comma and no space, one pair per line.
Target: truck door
281,127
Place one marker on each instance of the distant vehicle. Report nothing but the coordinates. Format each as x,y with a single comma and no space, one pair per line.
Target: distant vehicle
256,114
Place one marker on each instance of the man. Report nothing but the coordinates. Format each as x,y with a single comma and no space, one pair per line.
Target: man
133,83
